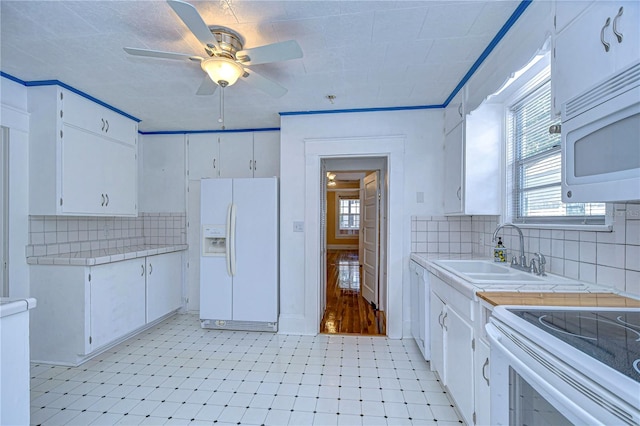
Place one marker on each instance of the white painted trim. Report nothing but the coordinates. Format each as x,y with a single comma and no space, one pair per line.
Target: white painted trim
391,147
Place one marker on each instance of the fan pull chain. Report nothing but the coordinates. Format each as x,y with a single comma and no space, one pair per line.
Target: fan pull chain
221,118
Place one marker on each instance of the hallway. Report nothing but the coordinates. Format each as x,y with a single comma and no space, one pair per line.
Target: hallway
347,312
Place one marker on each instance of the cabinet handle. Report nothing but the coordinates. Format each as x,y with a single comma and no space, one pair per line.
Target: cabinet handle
142,274
107,129
460,110
150,268
214,163
255,165
458,193
250,161
615,25
443,320
102,200
440,318
102,119
107,195
604,43
484,366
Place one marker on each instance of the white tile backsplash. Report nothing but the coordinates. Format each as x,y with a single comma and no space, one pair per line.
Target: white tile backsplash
51,235
609,258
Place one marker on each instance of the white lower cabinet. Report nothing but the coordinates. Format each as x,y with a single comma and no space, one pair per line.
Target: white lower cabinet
482,365
164,289
455,354
85,309
419,308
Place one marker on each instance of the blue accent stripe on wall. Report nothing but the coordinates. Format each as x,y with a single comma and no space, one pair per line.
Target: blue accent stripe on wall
183,132
69,88
503,31
343,111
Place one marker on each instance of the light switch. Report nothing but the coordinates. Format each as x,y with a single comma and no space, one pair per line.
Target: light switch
298,226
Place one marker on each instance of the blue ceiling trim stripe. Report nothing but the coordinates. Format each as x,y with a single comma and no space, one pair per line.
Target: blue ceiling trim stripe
183,132
69,88
343,111
503,31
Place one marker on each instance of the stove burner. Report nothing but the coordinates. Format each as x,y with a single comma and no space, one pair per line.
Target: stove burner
621,323
542,321
636,365
619,319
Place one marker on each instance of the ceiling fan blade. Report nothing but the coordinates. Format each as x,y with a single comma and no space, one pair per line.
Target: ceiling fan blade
192,19
159,54
276,52
207,87
263,83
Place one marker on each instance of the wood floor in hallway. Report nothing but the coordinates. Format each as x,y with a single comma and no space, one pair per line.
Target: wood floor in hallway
347,312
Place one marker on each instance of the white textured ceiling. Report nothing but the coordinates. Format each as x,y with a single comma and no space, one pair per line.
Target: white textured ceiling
369,54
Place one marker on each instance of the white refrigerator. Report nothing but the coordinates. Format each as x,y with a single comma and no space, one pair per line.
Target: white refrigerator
239,254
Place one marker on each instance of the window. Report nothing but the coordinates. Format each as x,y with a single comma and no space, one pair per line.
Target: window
348,215
534,161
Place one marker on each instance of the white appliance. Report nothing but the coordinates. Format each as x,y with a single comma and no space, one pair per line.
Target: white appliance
560,365
601,141
239,254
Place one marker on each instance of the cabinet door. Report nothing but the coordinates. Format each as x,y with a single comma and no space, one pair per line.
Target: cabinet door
266,154
458,354
236,155
203,160
418,307
627,51
580,59
82,168
162,177
436,313
164,284
481,383
453,156
454,112
120,178
97,119
117,301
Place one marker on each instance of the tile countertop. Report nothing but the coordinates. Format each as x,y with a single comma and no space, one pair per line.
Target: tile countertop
101,256
562,285
11,306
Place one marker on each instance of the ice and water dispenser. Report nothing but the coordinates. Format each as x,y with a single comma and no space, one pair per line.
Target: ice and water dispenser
214,240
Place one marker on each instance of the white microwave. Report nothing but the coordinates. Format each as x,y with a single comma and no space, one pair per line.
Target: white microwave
601,141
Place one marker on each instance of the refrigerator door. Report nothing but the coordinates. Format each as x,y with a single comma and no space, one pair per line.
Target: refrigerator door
216,285
255,282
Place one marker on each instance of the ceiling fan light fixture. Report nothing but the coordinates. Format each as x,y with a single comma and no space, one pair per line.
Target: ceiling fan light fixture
223,71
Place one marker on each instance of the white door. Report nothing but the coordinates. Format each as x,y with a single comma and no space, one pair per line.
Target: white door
371,235
216,285
255,283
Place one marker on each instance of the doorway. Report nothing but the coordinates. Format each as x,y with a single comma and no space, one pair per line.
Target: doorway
353,225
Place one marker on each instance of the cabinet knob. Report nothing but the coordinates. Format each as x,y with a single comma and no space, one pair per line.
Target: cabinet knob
615,25
214,163
602,40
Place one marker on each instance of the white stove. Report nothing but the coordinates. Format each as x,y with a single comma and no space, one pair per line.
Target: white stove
559,365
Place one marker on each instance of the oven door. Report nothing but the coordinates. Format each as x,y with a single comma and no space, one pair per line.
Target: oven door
530,386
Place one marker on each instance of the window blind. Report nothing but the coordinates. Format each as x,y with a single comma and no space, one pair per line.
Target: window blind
534,158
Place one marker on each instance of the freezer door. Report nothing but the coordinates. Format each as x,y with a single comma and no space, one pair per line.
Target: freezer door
255,284
216,285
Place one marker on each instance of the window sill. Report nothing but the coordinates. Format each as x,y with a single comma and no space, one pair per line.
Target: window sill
567,227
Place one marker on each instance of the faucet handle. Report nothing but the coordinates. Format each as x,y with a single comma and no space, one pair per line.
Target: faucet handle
532,267
541,262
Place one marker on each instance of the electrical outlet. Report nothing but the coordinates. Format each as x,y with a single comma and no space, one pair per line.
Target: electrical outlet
298,226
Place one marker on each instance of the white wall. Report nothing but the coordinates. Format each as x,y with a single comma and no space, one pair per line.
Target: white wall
421,159
13,100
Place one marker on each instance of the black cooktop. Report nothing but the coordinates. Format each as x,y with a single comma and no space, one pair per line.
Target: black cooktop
612,337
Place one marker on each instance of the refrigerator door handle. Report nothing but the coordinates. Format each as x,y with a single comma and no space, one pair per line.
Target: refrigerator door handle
228,241
232,243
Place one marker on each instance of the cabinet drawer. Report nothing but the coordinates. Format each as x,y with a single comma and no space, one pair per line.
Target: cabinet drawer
87,115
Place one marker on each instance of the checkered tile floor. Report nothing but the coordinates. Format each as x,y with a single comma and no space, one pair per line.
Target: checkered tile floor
178,373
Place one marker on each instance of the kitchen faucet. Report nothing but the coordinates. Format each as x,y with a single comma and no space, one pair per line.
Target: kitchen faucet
523,259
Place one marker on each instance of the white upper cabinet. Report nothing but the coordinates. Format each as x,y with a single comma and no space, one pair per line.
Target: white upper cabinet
234,155
162,177
82,156
472,174
603,39
454,112
203,162
266,154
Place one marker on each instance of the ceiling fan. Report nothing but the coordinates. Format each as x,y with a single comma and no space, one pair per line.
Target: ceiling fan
226,60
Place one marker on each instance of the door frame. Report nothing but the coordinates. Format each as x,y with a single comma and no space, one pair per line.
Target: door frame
391,147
